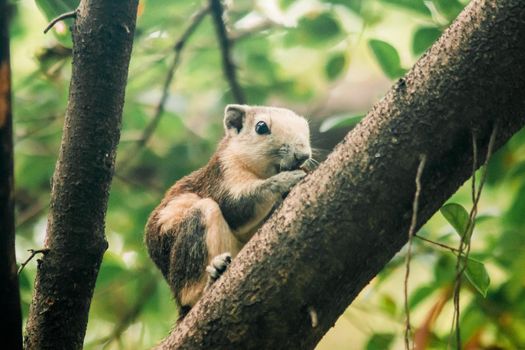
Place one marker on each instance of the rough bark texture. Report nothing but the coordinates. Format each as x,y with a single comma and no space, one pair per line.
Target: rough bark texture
102,37
11,320
338,228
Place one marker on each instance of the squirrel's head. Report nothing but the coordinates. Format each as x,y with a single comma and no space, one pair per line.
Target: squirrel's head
266,140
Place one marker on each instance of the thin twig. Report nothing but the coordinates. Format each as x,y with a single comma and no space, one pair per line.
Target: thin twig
70,14
463,242
453,250
33,253
179,45
225,44
411,231
464,245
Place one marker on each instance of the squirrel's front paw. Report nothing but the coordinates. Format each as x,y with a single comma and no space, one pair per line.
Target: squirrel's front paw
283,182
218,265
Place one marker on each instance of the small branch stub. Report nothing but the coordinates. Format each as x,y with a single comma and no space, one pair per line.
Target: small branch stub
64,16
313,316
34,252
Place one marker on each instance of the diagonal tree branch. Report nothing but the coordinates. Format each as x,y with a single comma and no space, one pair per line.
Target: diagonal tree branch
11,322
225,44
102,42
337,229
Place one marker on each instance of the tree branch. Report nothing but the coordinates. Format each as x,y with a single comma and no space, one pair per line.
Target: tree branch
102,41
323,246
444,246
33,252
11,320
67,15
225,44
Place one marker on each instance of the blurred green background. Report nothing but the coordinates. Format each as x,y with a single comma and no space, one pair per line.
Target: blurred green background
328,60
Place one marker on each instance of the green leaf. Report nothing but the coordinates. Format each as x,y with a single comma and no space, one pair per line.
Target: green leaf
483,218
421,294
340,121
54,8
380,341
515,215
315,31
424,37
388,305
387,57
284,4
335,66
322,26
354,5
414,5
517,170
477,275
448,8
444,269
457,216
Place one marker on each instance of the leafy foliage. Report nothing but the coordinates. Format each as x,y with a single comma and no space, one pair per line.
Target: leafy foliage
387,57
423,38
458,217
335,65
477,275
380,341
417,6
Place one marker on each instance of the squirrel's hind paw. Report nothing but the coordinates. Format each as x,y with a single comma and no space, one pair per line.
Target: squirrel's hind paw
218,265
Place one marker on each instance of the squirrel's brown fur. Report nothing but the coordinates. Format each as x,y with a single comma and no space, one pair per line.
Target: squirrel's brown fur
206,217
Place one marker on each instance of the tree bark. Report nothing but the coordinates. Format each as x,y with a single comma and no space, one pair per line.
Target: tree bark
102,43
338,228
225,45
11,320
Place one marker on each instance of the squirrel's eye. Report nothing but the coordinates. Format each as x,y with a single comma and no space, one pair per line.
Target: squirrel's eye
261,128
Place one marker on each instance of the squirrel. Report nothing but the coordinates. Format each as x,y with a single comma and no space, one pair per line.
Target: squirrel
205,218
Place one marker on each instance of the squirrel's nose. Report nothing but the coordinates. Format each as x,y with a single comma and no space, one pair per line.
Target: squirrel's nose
300,158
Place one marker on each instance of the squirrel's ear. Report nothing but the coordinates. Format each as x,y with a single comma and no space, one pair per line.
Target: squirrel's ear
234,117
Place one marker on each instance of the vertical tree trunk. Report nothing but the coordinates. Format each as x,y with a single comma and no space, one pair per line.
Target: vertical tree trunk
102,42
11,319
